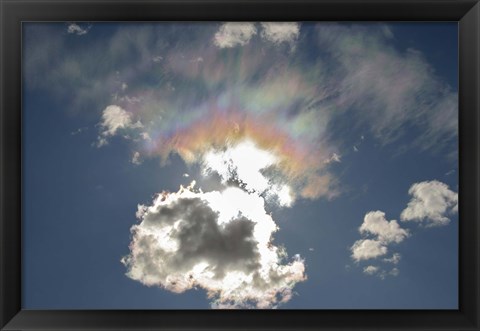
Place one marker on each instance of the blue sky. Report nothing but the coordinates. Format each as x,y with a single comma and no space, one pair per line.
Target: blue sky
324,158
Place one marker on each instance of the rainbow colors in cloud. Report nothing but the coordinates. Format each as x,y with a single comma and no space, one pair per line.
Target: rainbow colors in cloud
244,104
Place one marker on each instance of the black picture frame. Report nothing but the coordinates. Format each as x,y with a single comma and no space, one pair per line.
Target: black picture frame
14,12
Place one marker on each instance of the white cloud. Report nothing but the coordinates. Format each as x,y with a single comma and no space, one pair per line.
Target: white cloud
365,249
278,33
394,272
145,136
115,118
395,259
375,223
244,163
384,232
79,130
77,29
371,270
234,34
431,203
218,241
136,158
379,272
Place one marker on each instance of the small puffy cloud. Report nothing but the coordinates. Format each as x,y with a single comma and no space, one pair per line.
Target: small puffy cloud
431,203
371,270
145,136
234,34
79,130
74,28
189,239
394,272
379,272
278,33
384,232
115,118
136,158
365,249
394,259
375,223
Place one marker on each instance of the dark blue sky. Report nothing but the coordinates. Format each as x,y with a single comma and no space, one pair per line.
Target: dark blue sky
79,200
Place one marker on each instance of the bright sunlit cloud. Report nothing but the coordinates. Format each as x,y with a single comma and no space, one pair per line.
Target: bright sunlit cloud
245,164
220,241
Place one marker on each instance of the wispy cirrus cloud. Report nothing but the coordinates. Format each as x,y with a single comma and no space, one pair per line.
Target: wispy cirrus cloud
389,89
357,74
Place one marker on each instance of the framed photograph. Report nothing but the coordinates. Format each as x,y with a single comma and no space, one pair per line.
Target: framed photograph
237,165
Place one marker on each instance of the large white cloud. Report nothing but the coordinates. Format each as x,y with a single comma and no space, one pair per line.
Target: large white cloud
432,202
218,241
234,34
